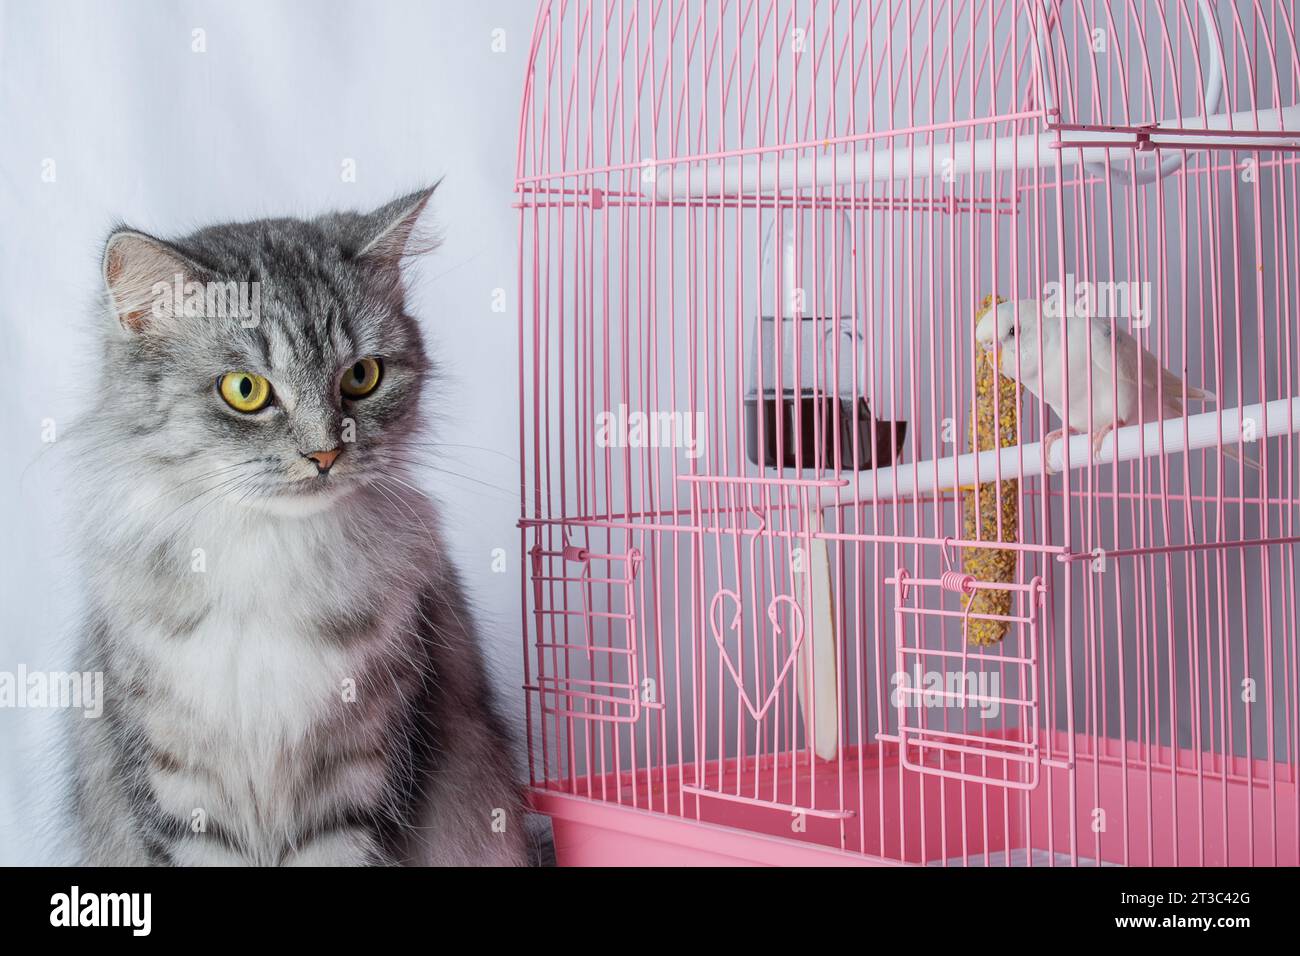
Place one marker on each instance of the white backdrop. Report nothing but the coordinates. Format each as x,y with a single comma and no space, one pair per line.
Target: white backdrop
108,111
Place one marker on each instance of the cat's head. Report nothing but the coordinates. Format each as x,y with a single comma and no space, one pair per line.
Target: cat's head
269,363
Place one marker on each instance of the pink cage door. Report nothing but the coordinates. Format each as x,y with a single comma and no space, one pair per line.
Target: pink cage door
909,393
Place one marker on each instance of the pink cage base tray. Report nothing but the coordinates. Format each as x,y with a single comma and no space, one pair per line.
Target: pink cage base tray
1164,807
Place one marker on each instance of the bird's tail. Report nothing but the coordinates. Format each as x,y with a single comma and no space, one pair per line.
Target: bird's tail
1250,461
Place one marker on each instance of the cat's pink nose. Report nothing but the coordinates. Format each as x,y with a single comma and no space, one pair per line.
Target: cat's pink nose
324,459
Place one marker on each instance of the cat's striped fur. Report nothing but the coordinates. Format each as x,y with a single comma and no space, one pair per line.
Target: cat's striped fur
292,674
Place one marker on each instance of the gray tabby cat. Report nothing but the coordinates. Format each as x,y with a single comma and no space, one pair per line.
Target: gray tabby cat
291,670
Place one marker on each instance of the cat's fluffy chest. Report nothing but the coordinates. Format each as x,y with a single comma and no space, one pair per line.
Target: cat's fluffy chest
270,645
268,623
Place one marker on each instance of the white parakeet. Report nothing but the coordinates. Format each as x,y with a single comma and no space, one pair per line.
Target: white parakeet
1132,387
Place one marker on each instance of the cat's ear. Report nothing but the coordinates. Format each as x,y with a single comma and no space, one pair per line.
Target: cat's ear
388,234
140,275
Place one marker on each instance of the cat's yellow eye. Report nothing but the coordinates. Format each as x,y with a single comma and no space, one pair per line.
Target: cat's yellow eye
244,391
362,378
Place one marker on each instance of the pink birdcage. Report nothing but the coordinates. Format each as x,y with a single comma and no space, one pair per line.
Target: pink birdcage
807,578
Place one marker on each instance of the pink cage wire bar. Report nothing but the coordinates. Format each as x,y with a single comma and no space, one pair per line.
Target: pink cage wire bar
754,239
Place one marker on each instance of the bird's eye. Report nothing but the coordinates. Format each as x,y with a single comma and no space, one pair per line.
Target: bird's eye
362,378
244,391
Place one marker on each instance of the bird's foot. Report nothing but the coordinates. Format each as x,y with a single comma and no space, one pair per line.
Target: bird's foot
1098,437
1048,441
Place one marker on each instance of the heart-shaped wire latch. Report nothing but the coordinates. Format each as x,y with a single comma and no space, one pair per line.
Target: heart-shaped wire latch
717,626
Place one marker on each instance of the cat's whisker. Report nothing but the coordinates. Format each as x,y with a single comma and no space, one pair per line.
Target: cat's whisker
223,484
439,446
249,480
248,493
505,493
428,460
189,481
380,482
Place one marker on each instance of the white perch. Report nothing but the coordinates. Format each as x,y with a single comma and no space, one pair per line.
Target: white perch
1278,417
957,160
